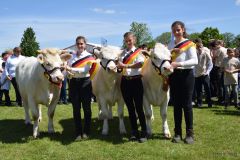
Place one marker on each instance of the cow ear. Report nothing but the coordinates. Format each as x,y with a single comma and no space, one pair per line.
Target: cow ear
65,57
39,51
40,58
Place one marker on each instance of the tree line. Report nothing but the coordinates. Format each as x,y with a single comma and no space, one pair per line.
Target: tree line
30,46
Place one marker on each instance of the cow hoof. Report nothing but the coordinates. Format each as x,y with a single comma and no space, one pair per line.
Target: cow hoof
104,133
28,123
122,132
51,131
35,135
167,136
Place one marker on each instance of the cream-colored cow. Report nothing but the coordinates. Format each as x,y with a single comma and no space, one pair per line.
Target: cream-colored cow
155,85
106,87
39,81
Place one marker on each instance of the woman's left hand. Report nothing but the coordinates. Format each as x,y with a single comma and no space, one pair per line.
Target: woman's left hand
175,65
120,65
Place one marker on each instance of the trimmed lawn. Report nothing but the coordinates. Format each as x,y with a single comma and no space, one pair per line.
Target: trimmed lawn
216,130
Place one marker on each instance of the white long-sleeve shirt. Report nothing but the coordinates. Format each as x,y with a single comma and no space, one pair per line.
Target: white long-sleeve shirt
187,59
82,71
205,64
11,64
132,71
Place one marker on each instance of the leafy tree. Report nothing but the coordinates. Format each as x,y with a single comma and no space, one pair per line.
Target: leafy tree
142,33
28,43
236,41
229,39
194,36
208,34
164,38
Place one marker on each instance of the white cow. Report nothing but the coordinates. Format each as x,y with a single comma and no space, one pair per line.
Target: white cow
39,80
155,85
106,87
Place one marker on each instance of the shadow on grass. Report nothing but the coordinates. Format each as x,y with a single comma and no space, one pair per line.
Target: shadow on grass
114,137
14,131
227,112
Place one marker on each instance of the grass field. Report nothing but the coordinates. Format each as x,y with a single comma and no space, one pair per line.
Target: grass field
217,134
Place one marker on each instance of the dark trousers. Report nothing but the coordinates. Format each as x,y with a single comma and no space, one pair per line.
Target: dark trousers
217,83
7,97
80,91
15,86
181,86
132,92
203,81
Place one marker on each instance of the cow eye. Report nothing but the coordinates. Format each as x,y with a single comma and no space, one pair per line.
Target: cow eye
48,64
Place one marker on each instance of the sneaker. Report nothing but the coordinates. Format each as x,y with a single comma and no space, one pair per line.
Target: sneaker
85,136
177,139
79,138
189,140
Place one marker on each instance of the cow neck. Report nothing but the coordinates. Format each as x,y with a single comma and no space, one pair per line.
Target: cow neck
111,78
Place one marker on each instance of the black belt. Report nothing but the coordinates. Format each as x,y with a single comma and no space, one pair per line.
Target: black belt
132,77
182,70
79,79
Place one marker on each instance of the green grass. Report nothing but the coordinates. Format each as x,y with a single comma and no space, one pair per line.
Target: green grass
217,134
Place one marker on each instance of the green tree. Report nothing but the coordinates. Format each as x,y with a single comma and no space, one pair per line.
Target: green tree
208,34
164,38
236,41
28,43
142,33
194,36
229,39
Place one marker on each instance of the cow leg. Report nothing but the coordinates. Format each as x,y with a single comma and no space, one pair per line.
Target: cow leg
110,115
40,113
27,115
104,110
148,115
35,115
163,112
51,111
122,128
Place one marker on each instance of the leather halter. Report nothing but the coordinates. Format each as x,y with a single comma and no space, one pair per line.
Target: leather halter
108,61
47,74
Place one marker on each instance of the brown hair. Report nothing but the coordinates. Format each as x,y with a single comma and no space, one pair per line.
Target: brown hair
17,48
81,37
128,34
182,26
230,50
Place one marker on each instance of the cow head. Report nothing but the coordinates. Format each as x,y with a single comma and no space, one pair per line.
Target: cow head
52,60
109,57
161,59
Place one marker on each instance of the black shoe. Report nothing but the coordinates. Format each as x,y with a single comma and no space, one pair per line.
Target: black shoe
189,140
133,138
143,137
209,105
177,139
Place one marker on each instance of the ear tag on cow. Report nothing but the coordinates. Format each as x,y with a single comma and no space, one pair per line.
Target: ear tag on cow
46,75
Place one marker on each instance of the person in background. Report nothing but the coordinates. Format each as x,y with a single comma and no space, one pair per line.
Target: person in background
231,66
219,54
202,70
11,64
184,58
131,62
5,86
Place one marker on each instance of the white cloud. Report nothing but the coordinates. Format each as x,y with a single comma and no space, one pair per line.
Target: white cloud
104,11
56,31
237,2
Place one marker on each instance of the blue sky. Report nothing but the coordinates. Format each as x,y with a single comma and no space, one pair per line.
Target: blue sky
58,22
